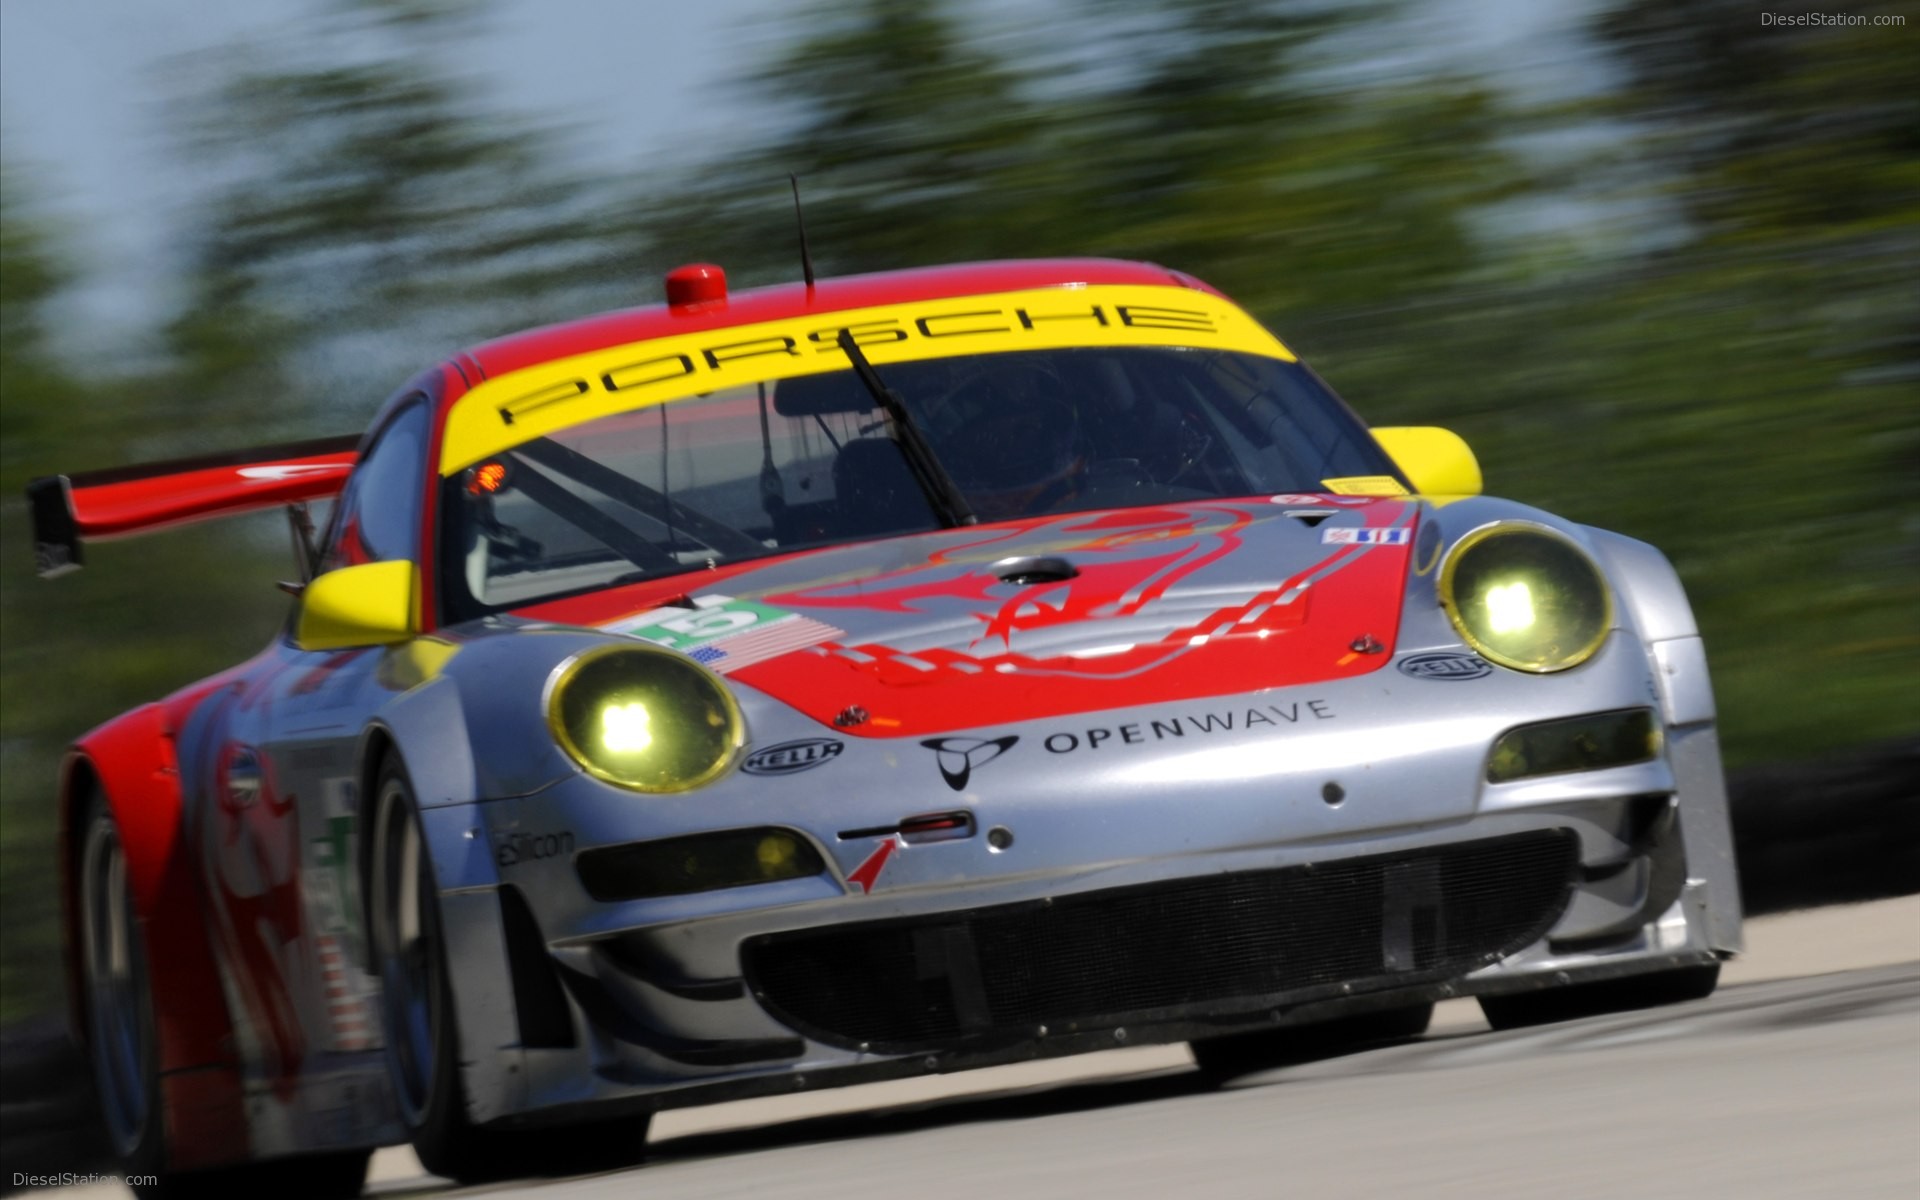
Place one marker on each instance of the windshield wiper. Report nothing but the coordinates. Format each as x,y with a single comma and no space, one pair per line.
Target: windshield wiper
941,492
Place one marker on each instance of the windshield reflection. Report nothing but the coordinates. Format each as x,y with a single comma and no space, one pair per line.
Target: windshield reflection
810,461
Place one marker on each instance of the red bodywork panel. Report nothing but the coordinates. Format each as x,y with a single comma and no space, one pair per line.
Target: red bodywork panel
1285,633
132,757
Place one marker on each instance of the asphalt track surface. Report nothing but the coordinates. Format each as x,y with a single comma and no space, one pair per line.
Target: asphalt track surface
1800,1077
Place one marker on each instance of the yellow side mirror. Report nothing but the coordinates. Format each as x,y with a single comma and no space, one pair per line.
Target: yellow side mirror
1438,462
367,605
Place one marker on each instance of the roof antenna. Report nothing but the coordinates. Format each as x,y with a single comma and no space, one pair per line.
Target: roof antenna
800,219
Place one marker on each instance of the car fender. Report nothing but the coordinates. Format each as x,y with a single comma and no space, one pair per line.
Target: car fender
132,760
1656,602
427,728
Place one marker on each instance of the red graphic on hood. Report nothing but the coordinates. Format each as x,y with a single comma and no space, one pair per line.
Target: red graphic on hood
1255,640
1103,589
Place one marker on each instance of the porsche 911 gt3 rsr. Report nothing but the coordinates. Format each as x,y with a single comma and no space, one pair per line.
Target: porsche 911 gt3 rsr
829,683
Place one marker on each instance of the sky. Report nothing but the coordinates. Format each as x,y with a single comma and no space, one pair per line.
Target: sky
84,84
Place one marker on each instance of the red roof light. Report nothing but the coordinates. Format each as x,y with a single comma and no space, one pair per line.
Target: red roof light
696,283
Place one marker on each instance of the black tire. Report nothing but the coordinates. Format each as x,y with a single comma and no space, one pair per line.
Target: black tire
121,1044
122,1047
420,1033
1244,1053
1523,1009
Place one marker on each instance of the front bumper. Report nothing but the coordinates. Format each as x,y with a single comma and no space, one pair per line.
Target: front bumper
686,999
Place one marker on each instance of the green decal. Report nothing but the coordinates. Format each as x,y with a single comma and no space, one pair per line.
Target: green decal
702,625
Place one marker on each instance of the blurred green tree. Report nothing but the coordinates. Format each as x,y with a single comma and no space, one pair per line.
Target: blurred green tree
1206,134
1729,376
145,617
375,214
371,191
1768,357
1732,378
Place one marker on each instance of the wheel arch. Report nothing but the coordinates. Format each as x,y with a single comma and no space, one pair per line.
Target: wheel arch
1657,603
130,762
1649,587
428,731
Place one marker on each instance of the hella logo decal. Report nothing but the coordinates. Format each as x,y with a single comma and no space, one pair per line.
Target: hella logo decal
788,757
1447,665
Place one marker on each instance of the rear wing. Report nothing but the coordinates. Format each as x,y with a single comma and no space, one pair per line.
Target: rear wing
68,510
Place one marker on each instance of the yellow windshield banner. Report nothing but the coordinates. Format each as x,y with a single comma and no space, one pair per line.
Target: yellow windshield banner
502,413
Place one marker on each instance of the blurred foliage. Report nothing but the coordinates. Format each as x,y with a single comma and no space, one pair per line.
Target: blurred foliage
142,619
1702,330
379,214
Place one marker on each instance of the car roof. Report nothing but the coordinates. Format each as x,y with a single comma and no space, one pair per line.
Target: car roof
747,307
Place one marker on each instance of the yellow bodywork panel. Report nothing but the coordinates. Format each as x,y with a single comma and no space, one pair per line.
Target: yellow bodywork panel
522,405
1438,462
1364,485
371,604
407,665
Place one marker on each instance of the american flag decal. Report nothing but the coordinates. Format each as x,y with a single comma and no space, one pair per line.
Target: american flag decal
763,642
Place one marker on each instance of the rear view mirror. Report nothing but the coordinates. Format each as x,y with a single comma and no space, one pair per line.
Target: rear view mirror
1437,462
366,605
819,395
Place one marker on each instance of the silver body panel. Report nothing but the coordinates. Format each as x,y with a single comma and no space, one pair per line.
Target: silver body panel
1140,793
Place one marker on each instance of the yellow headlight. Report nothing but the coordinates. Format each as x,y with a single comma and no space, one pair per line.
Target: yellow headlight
644,718
1526,597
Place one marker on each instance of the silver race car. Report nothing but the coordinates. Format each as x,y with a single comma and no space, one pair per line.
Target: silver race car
830,683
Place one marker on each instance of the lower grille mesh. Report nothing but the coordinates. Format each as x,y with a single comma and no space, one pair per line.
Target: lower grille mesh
1185,947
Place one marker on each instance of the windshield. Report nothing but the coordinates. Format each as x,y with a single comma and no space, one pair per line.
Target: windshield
809,461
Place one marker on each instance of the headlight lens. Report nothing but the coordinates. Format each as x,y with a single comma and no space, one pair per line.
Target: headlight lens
704,862
645,719
1589,743
1526,597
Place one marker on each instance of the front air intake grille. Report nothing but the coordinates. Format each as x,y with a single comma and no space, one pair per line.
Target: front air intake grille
1184,948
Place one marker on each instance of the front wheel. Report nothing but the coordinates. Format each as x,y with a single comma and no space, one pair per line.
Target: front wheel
1244,1053
123,1049
422,1036
1522,1009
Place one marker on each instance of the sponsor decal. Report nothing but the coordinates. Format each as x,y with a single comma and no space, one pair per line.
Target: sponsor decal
718,359
868,873
517,848
1365,537
538,399
1320,500
726,634
1138,733
789,757
1446,664
959,757
252,851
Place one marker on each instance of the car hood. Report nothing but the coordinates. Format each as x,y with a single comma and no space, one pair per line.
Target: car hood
1045,617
